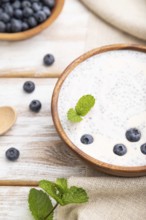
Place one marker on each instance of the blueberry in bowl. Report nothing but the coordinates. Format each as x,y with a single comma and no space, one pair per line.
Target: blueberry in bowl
22,19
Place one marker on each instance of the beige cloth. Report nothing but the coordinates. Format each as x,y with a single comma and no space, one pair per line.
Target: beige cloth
111,198
127,15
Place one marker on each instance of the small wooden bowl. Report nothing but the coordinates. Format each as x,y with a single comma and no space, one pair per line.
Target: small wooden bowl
105,167
33,31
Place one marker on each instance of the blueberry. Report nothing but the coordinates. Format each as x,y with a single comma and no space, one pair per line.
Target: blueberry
8,9
16,25
49,3
12,154
18,13
16,4
87,139
133,135
4,17
36,6
47,11
26,4
48,60
27,12
2,27
25,26
29,86
8,27
143,148
40,16
32,21
120,149
35,106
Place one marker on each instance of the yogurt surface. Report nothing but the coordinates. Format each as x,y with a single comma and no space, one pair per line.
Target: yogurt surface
117,80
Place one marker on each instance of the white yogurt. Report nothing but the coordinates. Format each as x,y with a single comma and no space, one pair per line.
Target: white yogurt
117,80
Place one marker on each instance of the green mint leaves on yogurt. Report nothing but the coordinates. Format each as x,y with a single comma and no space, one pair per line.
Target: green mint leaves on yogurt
83,106
40,201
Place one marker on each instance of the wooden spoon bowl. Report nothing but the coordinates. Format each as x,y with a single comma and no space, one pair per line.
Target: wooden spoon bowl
33,31
100,165
7,118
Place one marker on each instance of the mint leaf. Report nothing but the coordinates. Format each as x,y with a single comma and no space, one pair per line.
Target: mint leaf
40,204
75,195
85,104
62,183
52,189
73,116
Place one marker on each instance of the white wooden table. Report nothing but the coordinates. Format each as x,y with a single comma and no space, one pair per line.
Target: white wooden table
42,154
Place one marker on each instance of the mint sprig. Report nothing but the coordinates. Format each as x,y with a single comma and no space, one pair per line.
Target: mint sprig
40,203
83,106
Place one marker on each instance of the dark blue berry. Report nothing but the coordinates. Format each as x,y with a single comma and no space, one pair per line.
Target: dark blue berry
87,139
12,154
47,11
4,17
8,9
143,148
35,106
18,13
32,22
25,26
120,149
2,27
16,4
49,3
133,135
40,16
29,86
48,60
26,4
36,6
8,27
27,12
16,25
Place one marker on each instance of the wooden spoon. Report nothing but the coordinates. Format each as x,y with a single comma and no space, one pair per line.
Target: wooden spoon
7,118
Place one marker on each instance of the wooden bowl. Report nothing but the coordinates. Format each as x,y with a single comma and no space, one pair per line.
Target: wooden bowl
102,166
33,31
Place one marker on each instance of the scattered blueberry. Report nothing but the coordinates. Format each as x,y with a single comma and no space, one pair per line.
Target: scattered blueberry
120,149
48,59
87,139
133,135
12,154
29,86
143,148
35,106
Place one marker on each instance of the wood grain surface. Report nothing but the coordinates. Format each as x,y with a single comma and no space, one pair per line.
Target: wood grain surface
13,203
74,32
42,153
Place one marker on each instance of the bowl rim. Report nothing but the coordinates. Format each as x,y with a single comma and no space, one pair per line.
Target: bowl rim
102,166
34,31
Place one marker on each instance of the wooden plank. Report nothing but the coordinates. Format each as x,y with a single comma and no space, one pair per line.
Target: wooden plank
13,203
42,153
76,31
65,39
